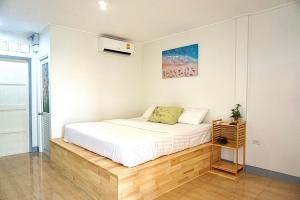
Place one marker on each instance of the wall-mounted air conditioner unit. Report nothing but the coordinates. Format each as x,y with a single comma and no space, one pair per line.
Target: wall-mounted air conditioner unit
115,46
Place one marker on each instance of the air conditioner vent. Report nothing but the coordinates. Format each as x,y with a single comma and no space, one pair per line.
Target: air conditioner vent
115,46
116,51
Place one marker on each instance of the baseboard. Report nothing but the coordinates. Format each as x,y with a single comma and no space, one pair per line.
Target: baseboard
34,149
272,174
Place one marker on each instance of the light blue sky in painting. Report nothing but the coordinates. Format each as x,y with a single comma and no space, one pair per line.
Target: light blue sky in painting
186,51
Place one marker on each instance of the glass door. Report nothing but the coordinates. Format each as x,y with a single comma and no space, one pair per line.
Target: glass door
45,105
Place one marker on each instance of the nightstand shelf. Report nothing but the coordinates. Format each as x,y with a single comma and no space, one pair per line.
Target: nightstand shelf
236,137
231,144
227,166
227,174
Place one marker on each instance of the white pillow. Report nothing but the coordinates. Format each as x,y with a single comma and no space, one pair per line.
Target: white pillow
148,112
193,116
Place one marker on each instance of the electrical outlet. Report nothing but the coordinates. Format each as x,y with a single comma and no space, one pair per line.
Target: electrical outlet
257,142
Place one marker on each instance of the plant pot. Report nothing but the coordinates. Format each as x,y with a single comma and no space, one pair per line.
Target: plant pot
235,121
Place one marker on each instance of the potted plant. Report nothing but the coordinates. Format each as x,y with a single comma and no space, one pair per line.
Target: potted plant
236,114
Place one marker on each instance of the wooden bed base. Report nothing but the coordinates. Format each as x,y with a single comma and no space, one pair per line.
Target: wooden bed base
104,179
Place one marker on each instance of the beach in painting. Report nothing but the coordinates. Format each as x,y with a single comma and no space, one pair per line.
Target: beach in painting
180,62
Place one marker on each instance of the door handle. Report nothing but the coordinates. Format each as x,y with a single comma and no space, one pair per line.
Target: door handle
40,113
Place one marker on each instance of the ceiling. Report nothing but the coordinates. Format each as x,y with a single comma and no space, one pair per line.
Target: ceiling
138,20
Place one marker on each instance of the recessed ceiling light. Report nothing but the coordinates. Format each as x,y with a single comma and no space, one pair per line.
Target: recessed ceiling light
102,5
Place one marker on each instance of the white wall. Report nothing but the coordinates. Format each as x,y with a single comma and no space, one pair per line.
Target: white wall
44,47
270,53
274,90
213,88
87,85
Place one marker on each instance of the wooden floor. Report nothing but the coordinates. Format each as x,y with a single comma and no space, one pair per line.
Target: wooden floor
32,176
213,187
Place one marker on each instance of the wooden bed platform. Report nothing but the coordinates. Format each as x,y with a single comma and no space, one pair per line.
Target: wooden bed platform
104,179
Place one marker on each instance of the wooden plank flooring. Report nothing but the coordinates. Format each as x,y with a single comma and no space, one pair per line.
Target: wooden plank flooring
249,187
33,177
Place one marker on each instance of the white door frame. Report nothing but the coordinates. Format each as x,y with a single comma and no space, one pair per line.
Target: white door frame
28,60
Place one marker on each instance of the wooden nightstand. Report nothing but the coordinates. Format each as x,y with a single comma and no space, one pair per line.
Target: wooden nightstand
236,139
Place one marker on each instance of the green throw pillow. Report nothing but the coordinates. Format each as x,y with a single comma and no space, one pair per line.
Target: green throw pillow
165,115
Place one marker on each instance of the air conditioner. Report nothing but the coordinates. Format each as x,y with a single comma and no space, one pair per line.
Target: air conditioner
115,46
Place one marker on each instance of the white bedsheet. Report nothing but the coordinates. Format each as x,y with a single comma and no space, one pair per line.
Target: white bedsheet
134,141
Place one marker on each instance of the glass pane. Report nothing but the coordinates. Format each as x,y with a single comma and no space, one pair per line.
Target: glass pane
45,79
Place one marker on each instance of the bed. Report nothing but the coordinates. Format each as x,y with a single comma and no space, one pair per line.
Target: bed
132,142
128,159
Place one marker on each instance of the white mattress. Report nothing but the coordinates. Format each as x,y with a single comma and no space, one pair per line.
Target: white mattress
135,141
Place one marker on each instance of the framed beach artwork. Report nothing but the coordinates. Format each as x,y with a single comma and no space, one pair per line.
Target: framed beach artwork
180,62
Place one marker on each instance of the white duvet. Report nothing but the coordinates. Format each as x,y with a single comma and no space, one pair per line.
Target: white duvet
134,141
